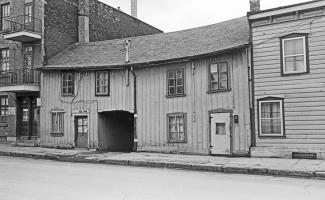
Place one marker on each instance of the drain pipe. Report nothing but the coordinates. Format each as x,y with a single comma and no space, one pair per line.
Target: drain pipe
135,144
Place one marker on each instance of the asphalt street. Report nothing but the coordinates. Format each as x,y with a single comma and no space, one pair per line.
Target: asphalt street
29,179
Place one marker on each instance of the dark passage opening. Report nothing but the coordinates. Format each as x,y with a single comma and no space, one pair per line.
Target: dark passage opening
116,131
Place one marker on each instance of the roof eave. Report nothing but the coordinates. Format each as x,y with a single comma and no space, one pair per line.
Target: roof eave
139,64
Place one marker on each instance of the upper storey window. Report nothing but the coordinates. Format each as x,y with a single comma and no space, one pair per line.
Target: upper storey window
5,14
294,56
28,11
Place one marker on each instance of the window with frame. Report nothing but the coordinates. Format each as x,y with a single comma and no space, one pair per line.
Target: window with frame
82,125
57,122
5,14
5,62
28,57
175,82
102,83
28,11
271,118
294,54
219,77
67,84
3,109
176,128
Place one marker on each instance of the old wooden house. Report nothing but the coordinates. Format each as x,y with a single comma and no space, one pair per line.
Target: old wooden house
185,91
34,31
288,51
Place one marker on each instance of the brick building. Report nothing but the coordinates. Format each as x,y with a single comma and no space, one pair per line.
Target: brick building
34,31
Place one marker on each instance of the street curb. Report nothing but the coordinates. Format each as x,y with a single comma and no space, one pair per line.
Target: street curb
220,168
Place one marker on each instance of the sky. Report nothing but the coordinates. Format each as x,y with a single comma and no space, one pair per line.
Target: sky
174,15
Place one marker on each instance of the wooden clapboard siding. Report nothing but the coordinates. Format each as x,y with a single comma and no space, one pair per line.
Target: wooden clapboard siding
153,105
121,98
304,95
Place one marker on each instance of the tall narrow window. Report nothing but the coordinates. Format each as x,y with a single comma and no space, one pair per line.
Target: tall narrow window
28,57
67,84
102,83
175,82
271,118
3,109
28,11
176,128
5,64
57,122
219,75
5,14
294,55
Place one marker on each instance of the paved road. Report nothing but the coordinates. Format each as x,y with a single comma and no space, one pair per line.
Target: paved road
28,179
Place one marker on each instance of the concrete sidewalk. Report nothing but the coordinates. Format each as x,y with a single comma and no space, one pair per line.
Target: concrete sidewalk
257,166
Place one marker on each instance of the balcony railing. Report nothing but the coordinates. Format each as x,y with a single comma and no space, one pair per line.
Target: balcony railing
21,23
22,76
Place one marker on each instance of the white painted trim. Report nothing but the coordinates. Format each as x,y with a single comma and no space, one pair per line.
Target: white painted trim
22,33
260,118
74,115
280,11
32,88
284,57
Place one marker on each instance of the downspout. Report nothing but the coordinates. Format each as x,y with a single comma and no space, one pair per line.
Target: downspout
135,144
251,80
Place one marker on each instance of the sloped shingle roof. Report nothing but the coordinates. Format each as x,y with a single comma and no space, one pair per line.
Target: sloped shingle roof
156,48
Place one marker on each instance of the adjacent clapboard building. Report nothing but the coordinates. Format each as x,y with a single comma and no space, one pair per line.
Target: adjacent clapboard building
185,91
288,51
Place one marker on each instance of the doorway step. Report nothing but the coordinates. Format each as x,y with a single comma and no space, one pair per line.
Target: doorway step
25,142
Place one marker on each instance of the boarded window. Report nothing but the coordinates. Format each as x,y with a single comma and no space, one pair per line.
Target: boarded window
5,64
102,83
176,128
271,118
294,57
219,75
5,14
57,122
3,109
67,84
175,82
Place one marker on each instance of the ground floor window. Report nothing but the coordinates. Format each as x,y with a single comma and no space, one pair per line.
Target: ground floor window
176,128
3,109
57,122
271,118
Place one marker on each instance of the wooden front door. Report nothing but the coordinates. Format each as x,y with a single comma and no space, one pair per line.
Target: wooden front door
28,117
81,131
220,133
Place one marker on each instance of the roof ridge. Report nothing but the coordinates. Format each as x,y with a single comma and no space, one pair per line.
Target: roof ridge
164,33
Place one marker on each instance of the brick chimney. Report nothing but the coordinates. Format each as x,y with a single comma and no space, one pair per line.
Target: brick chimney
83,15
255,5
134,8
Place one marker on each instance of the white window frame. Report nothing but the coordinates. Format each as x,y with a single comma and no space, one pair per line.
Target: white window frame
107,76
57,113
260,118
288,56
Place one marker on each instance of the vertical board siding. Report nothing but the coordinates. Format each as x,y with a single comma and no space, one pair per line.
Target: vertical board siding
121,98
304,95
153,105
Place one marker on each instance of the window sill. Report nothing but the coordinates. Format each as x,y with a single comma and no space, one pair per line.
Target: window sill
102,95
272,137
184,142
67,95
218,91
175,96
294,74
56,134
